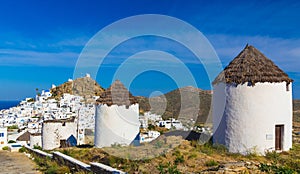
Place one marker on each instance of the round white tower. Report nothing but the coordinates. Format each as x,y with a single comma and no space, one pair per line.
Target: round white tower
252,105
117,117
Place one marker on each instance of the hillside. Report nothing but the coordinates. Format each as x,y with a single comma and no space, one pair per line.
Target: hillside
296,110
85,87
172,105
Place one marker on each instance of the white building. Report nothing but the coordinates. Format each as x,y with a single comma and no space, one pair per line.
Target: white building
117,117
3,137
170,123
56,133
35,139
252,105
149,136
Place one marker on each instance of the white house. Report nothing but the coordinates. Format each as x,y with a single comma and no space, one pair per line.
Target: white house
3,137
252,105
57,133
117,117
149,136
170,123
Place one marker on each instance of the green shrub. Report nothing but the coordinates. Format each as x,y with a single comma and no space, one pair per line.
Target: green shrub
168,168
37,147
179,159
274,156
5,148
46,165
66,152
22,149
151,127
273,168
211,163
192,155
13,127
11,141
158,144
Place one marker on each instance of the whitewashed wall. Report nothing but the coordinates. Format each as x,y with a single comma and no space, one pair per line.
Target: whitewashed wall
53,132
3,140
251,114
35,140
116,124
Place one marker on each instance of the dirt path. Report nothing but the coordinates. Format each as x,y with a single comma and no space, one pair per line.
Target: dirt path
15,162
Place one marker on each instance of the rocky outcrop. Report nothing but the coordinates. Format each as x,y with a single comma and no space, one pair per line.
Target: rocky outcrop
85,87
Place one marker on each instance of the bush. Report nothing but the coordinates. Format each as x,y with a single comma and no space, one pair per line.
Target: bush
13,127
168,168
46,165
37,147
22,149
5,148
274,156
11,141
211,163
273,168
151,127
179,159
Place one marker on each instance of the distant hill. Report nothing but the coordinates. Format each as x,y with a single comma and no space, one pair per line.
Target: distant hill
85,87
296,110
187,102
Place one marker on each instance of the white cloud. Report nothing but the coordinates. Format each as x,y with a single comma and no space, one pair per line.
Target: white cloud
11,57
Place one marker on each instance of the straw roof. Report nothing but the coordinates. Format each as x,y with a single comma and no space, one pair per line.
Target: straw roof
117,94
251,66
24,137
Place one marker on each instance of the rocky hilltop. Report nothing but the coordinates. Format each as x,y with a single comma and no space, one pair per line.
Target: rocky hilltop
85,87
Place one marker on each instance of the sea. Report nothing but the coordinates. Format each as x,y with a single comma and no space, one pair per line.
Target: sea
8,104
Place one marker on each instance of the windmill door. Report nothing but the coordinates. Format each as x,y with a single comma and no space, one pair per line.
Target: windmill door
278,137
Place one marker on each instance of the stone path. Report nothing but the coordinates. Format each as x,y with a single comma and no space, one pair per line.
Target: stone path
15,163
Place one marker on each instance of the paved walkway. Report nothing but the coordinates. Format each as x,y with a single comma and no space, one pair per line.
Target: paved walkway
15,163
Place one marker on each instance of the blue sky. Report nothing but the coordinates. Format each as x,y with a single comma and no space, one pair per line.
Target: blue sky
40,41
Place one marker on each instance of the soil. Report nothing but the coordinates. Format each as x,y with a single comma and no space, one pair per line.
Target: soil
15,163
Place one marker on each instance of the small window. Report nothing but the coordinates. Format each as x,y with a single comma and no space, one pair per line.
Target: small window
1,134
287,87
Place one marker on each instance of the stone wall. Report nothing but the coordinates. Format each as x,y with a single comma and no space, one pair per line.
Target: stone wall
74,164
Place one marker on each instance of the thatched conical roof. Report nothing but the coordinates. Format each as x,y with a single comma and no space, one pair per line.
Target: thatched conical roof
117,94
251,66
24,137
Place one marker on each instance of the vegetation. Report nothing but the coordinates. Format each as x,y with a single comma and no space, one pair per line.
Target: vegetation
5,148
31,99
11,141
22,149
211,163
37,147
13,127
48,166
180,156
187,157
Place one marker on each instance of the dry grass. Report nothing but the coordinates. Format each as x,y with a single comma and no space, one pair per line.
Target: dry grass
185,156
